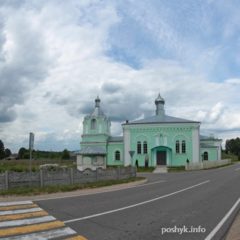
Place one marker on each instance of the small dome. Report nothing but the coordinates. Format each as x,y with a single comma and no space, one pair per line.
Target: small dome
97,102
159,99
97,99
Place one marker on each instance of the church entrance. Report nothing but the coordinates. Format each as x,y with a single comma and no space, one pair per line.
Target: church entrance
161,158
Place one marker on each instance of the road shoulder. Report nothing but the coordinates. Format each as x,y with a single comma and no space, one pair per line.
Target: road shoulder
234,231
76,193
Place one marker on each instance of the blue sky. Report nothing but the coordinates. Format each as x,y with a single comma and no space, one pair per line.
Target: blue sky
57,56
185,31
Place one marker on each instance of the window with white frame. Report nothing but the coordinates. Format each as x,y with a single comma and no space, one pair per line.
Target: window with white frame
177,147
145,147
183,146
139,147
117,156
93,124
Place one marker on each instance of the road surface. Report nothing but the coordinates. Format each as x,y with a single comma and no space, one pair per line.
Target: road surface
169,206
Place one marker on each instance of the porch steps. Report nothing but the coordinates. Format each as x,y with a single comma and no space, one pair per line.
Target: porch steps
160,169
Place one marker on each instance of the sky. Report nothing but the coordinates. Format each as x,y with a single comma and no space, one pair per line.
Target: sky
57,56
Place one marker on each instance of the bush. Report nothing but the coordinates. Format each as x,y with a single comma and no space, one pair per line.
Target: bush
145,169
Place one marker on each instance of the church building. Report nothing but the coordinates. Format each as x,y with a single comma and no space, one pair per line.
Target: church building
158,140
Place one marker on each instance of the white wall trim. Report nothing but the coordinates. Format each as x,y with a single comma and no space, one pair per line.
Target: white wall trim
126,141
195,145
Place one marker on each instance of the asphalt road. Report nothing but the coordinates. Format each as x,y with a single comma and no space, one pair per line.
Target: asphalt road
187,201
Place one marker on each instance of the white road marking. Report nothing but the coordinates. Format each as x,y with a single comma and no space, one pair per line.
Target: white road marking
44,235
27,221
20,211
151,183
237,169
220,224
137,204
98,192
4,204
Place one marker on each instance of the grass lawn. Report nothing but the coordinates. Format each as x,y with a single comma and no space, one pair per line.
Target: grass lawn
30,191
145,169
230,156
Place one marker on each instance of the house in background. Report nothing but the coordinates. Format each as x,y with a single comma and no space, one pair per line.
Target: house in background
159,140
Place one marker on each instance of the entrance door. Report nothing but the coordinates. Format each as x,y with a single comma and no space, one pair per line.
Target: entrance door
161,158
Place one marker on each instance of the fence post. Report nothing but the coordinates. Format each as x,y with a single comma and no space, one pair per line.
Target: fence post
133,172
118,172
96,174
6,180
71,175
41,178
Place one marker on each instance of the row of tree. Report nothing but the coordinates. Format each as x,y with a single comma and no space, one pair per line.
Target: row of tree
23,153
4,152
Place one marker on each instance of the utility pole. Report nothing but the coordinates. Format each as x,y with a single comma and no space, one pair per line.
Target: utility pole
31,143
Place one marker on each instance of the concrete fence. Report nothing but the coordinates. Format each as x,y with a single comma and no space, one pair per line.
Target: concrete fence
43,178
206,164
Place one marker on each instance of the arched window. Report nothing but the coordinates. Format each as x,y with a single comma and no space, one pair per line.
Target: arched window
145,149
183,146
177,147
93,124
205,156
117,156
139,148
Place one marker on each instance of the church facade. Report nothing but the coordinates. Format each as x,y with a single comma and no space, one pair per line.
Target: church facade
159,140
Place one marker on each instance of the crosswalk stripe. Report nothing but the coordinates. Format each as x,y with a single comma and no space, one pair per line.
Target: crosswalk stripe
76,238
14,207
23,215
15,203
31,228
27,221
55,233
24,220
20,211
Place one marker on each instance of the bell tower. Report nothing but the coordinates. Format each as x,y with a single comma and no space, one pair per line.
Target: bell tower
96,123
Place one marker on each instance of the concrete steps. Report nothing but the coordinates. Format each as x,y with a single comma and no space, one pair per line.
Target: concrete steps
160,169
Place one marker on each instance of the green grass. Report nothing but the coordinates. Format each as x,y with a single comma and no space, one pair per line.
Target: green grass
23,165
29,191
233,157
145,169
176,169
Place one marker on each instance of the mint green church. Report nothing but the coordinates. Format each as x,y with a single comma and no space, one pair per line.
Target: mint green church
158,140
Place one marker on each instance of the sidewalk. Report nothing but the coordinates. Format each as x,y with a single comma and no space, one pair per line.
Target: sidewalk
234,232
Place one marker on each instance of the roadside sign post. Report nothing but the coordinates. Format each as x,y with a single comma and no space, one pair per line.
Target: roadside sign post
31,143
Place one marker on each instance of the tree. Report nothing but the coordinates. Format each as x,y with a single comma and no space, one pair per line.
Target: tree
2,150
21,153
7,152
65,154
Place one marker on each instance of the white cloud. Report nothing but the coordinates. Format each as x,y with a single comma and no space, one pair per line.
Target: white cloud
65,59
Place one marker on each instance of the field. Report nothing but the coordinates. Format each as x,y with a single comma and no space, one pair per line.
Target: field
22,165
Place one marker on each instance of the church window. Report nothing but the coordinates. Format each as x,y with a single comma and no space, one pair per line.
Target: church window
177,147
93,124
117,156
205,156
183,146
145,149
139,148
